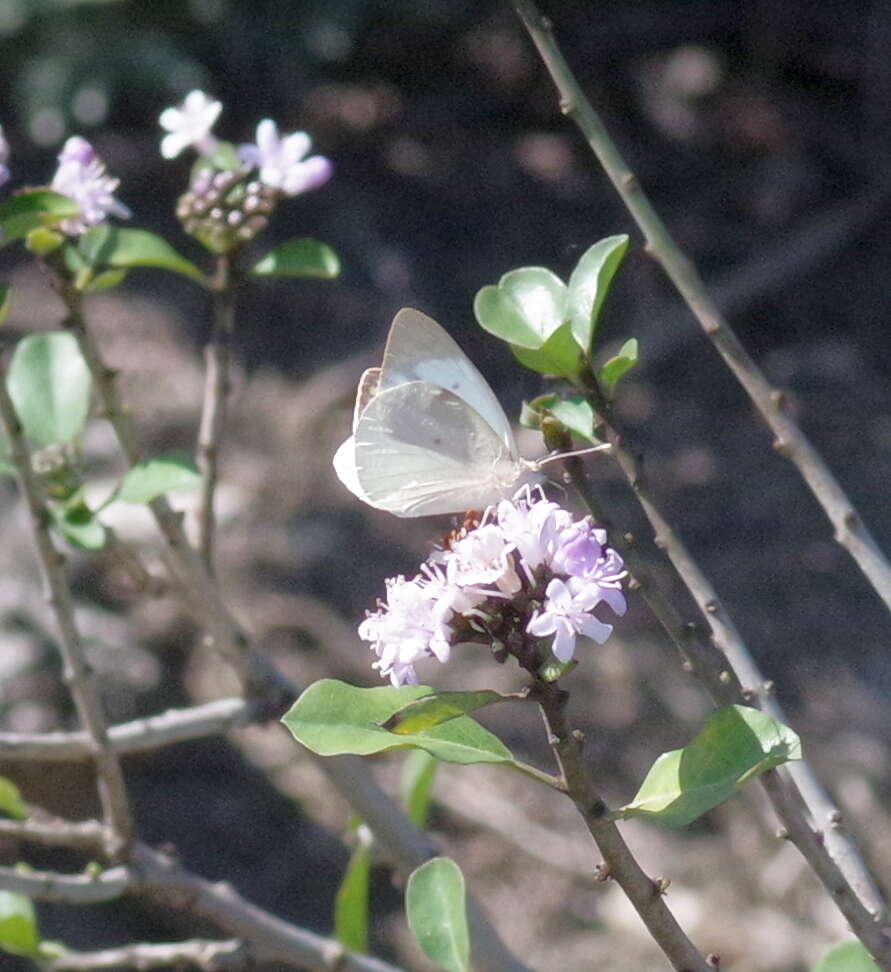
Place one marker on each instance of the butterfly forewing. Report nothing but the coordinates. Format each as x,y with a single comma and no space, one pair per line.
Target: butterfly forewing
418,349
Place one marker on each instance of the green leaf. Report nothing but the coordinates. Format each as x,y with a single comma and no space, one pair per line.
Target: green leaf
620,365
559,355
79,525
150,479
11,802
18,924
437,913
416,783
41,241
735,745
104,281
353,896
299,258
49,383
5,302
331,718
577,414
433,710
590,283
116,246
29,210
525,309
850,957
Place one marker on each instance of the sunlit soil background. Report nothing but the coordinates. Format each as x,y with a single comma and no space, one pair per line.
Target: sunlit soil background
762,148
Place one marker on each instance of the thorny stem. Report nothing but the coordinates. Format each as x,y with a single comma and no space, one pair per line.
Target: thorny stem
850,532
77,671
643,892
789,441
727,638
724,687
217,387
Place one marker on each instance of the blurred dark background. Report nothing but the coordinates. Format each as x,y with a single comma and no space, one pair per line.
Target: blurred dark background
761,132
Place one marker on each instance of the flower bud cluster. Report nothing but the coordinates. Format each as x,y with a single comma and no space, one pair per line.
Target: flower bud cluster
225,208
524,580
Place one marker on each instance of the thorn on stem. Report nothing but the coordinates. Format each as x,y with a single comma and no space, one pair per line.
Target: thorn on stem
713,961
711,607
601,873
661,884
724,678
782,833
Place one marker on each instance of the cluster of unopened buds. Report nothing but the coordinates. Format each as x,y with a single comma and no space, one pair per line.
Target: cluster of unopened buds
525,580
225,206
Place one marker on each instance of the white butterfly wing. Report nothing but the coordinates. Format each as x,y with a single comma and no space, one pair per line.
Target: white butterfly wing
420,449
418,349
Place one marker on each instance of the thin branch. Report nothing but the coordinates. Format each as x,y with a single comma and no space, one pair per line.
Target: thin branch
755,689
645,894
725,688
140,735
403,842
86,835
77,671
206,956
163,879
789,441
217,386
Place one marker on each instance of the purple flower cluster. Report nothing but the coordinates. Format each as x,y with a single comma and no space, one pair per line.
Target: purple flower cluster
526,572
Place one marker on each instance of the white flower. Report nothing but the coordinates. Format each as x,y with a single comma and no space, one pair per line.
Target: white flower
566,614
190,125
82,177
4,158
281,160
533,526
414,623
483,557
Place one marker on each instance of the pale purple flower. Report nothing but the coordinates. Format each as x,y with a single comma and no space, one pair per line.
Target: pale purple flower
566,613
4,158
82,176
482,557
190,125
526,570
282,162
414,623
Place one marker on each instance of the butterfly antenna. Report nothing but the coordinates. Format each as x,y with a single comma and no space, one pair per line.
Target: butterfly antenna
603,447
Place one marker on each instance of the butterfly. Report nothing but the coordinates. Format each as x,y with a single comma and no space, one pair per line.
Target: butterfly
428,433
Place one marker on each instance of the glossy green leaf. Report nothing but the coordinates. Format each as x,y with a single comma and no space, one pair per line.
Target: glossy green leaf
80,527
432,710
5,302
525,309
416,784
559,355
18,924
117,246
577,414
42,241
299,258
590,283
150,479
49,383
11,802
735,745
28,210
351,906
437,913
331,718
620,365
104,281
499,314
850,957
